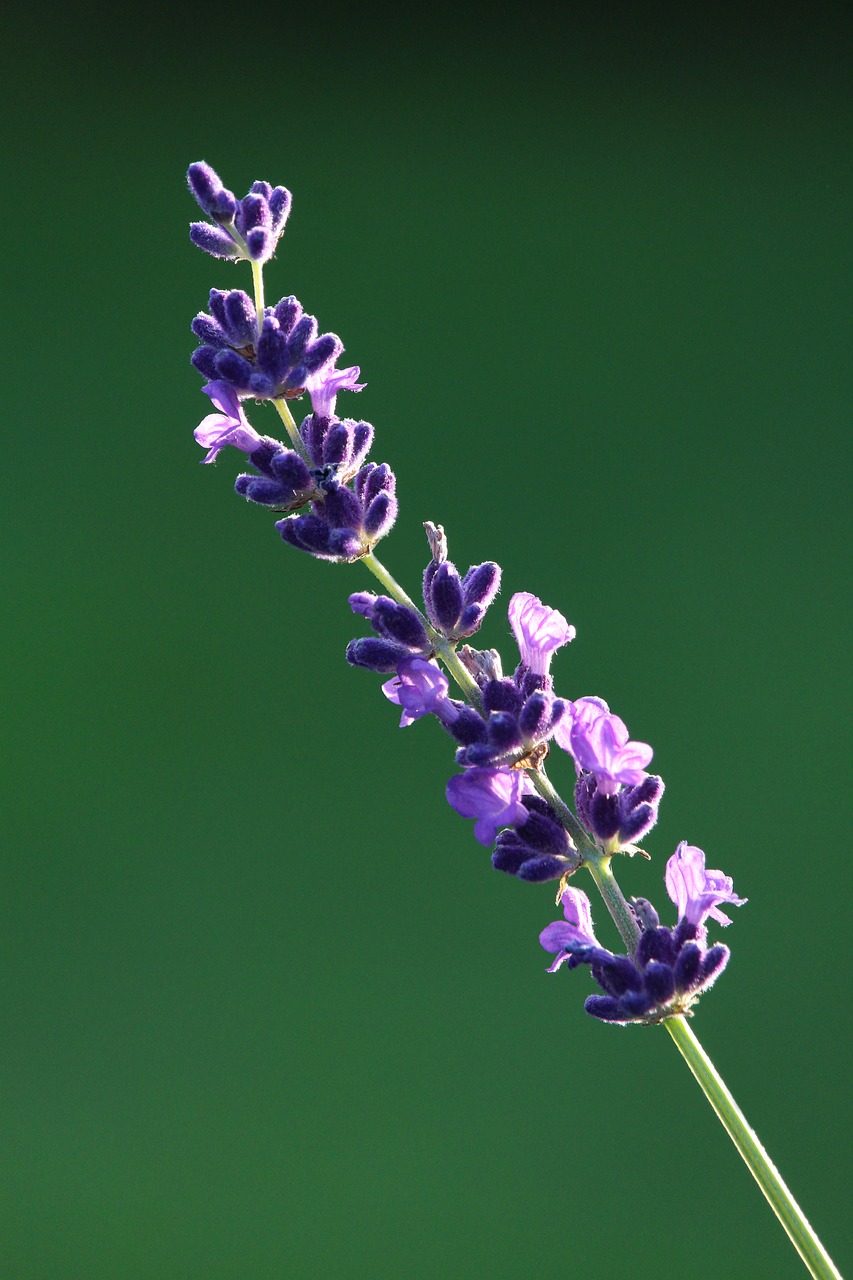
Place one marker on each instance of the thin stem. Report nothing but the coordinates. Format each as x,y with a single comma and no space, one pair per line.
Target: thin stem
758,1162
287,418
614,899
258,278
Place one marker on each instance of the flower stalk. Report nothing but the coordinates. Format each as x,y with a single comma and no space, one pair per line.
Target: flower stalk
799,1229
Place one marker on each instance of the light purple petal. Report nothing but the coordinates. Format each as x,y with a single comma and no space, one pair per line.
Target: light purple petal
696,892
539,631
323,387
492,796
229,426
419,687
599,743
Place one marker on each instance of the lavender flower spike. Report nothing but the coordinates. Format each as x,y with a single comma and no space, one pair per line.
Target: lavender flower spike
492,796
420,688
576,933
695,891
228,426
539,631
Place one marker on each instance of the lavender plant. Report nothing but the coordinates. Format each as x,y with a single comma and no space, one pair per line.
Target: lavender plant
335,505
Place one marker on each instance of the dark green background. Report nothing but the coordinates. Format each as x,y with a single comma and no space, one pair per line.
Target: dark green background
268,1011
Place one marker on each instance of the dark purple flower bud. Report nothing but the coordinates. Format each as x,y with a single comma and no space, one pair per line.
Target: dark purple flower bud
714,962
636,1005
656,944
482,583
445,598
213,240
688,967
502,730
287,312
308,533
376,654
380,516
604,1008
649,791
469,727
362,602
240,318
280,201
206,186
543,833
501,695
399,623
470,619
644,913
510,853
289,468
637,824
538,870
604,815
345,544
618,974
253,212
342,508
260,489
659,982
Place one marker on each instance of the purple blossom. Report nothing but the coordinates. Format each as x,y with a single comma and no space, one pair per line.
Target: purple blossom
695,891
323,387
420,688
599,743
575,933
228,426
492,796
539,631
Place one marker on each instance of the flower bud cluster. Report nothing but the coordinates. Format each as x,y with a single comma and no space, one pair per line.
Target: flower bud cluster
670,967
279,362
247,228
279,355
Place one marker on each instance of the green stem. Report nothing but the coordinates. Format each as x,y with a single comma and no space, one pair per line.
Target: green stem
614,899
758,1162
258,278
289,421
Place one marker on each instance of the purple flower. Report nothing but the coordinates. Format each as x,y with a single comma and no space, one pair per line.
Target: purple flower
695,891
492,796
323,387
420,688
539,631
599,743
228,426
575,933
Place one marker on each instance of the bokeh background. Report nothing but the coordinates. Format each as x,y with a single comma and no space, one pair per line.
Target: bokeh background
268,1010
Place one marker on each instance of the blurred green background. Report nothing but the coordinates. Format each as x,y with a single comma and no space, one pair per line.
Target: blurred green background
268,1011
